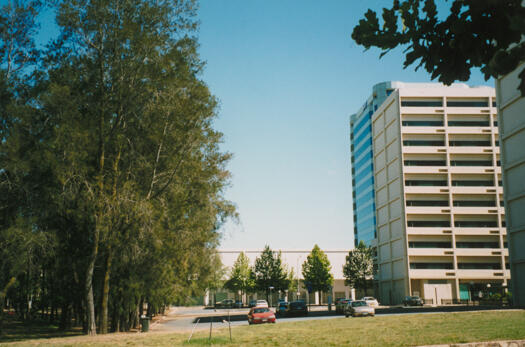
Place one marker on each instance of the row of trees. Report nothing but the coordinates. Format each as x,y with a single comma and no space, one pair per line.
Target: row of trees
269,271
111,177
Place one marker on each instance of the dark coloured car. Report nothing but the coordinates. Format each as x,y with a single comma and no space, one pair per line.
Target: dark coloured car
252,303
413,301
297,308
226,303
340,304
281,309
238,304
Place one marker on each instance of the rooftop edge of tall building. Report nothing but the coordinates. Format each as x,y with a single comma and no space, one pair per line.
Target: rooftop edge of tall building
393,85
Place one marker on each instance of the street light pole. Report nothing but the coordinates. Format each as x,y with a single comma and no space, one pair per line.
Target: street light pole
271,288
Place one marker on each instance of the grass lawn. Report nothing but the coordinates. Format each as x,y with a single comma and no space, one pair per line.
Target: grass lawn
404,330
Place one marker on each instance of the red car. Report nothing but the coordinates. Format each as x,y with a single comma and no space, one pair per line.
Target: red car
259,315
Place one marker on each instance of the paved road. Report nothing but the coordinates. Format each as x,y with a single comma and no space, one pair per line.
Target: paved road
185,318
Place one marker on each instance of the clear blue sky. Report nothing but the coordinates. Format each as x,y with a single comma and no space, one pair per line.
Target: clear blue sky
288,76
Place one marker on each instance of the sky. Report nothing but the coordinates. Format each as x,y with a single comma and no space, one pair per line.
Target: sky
288,76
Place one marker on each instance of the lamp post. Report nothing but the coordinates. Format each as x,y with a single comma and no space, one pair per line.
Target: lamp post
271,288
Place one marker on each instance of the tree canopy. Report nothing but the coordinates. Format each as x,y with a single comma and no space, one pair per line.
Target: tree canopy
270,272
316,271
359,267
485,34
241,276
111,175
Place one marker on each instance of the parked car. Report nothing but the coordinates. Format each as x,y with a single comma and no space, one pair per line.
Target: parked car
226,303
413,301
238,304
281,309
261,303
297,308
371,301
359,308
259,315
340,304
252,303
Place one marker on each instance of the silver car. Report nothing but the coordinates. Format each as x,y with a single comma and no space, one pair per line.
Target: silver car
359,308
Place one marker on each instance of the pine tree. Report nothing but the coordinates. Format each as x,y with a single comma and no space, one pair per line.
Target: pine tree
316,271
359,267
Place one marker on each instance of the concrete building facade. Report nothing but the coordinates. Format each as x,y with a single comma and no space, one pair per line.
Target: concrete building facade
511,108
440,221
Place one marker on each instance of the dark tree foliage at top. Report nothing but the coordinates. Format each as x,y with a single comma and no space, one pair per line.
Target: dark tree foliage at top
485,34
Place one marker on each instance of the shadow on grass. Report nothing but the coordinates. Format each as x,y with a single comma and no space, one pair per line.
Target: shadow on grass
203,341
15,330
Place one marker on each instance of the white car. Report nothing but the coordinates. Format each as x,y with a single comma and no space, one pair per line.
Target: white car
359,308
371,301
261,303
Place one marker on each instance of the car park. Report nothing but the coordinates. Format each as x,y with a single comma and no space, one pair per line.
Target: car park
371,301
259,315
413,300
296,308
340,304
359,308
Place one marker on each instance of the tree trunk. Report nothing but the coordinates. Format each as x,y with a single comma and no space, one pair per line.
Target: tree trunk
90,305
103,329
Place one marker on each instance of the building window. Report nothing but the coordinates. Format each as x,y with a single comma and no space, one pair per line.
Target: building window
423,143
431,266
471,183
425,162
425,183
464,143
468,123
422,123
467,103
476,224
428,223
470,163
479,266
475,203
427,203
421,103
477,245
429,244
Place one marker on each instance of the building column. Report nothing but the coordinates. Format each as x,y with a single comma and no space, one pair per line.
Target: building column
317,298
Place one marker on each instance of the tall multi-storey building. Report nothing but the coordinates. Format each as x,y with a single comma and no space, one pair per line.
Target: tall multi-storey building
440,223
363,166
512,132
